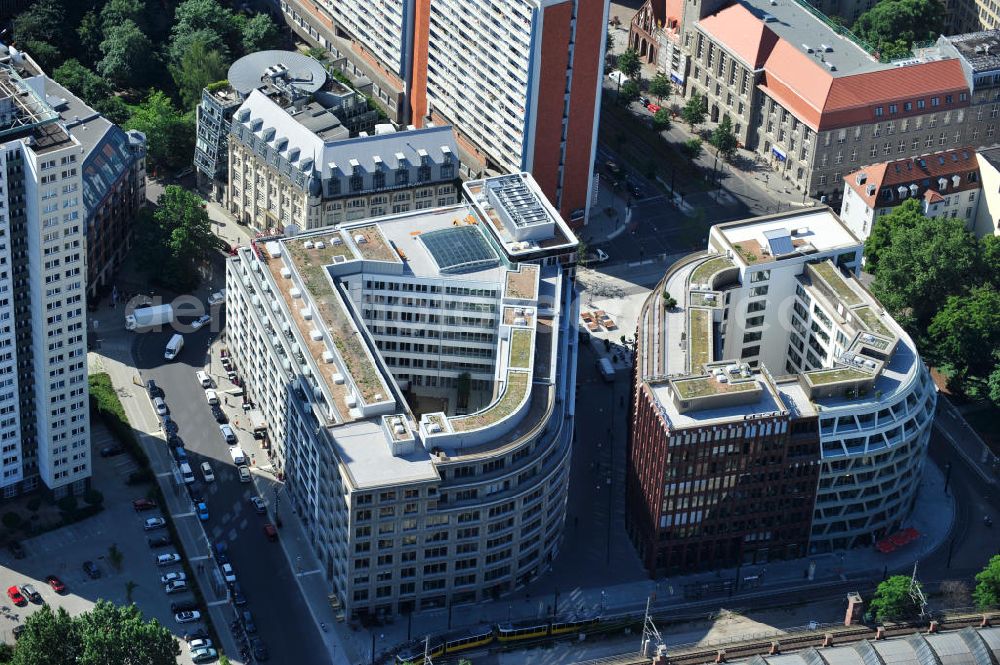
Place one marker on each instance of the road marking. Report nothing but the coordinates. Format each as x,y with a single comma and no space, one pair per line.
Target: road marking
191,514
164,474
216,603
317,571
199,558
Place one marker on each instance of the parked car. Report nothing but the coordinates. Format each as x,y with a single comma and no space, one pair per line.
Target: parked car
202,509
645,101
153,389
238,597
16,549
217,298
219,415
91,569
176,586
653,108
184,606
199,643
154,523
259,649
228,573
211,396
204,379
244,474
206,471
160,406
15,596
634,189
167,559
259,506
203,655
270,532
29,592
17,630
112,450
248,624
56,584
143,504
228,434
200,322
219,552
199,634
172,577
159,541
187,617
239,457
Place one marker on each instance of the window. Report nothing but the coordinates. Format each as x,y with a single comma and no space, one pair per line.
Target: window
752,337
878,113
893,108
402,176
908,106
758,291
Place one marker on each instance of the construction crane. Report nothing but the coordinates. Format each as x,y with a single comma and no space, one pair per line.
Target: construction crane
652,643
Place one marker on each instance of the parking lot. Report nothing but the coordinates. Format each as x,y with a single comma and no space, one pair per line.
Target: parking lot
62,553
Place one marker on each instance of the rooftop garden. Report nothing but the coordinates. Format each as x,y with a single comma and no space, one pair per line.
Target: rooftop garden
748,254
321,257
704,272
829,274
345,337
704,386
520,347
374,247
872,321
835,375
517,385
699,338
521,283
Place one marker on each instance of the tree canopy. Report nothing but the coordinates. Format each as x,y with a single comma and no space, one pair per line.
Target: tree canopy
106,634
660,87
905,215
126,55
629,92
923,265
724,138
987,591
891,26
199,67
692,148
629,64
892,600
661,119
169,133
693,112
966,328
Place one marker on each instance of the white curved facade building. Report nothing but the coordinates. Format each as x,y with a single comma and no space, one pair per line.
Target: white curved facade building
776,385
416,373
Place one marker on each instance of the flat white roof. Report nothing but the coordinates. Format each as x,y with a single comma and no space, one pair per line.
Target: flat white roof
820,228
768,403
362,447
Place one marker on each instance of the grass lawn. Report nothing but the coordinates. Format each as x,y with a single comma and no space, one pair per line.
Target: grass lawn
833,375
700,337
833,277
703,272
520,348
517,384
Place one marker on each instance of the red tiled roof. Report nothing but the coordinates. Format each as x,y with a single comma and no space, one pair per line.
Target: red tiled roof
811,92
914,171
932,197
742,33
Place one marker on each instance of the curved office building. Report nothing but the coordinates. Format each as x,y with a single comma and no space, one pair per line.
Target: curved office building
416,372
778,410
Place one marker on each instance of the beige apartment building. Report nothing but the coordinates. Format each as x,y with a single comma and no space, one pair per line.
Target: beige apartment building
814,103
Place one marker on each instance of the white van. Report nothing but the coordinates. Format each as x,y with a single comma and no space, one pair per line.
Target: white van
239,457
186,473
206,470
174,347
160,406
204,379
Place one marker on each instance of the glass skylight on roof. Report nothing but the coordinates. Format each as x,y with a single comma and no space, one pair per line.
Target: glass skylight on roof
459,249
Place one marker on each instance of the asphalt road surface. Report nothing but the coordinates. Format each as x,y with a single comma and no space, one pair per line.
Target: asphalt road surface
279,611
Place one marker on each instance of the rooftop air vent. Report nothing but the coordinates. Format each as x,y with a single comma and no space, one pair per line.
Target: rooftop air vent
768,18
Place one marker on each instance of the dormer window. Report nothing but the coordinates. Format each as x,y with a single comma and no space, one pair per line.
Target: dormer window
887,194
942,184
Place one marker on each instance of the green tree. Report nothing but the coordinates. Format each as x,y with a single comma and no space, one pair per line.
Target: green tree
258,33
905,215
629,64
207,21
724,138
987,591
993,385
114,634
660,87
892,600
629,92
692,148
923,265
90,33
116,12
693,112
966,327
169,133
126,53
199,67
49,638
892,26
661,119
114,109
176,238
43,21
82,81
990,259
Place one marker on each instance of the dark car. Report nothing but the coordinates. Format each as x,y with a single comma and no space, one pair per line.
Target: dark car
153,389
248,624
17,630
175,441
56,584
219,551
91,569
238,597
169,426
259,649
16,549
634,189
143,504
31,593
112,450
180,454
200,634
184,606
159,541
219,415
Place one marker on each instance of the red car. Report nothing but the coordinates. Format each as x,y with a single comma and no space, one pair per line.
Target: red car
653,108
143,504
15,596
56,584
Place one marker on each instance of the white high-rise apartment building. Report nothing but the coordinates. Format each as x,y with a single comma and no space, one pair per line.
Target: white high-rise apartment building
44,424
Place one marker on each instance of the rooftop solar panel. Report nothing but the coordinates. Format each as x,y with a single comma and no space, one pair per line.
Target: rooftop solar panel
779,241
459,249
